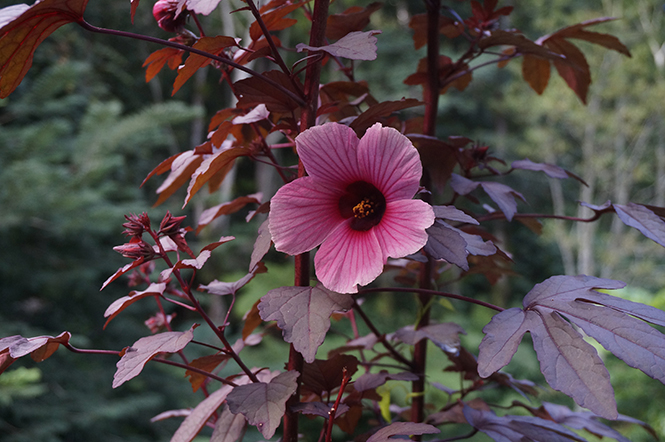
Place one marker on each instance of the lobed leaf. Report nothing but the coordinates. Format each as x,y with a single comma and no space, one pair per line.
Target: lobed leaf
386,434
155,289
303,314
263,404
23,28
194,62
146,348
445,243
643,219
354,46
193,423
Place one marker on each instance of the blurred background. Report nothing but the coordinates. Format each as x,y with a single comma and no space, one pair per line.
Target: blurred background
83,130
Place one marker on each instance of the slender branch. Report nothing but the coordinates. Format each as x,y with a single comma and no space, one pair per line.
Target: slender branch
501,215
271,43
196,370
87,26
331,418
382,338
431,292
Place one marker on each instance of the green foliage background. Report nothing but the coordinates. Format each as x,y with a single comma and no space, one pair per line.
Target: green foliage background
83,130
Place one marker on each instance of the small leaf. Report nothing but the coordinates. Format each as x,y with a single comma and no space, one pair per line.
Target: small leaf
581,420
229,427
155,289
193,423
380,110
261,245
23,28
204,7
219,163
369,381
253,92
156,61
444,335
452,213
206,363
303,314
575,69
208,215
319,409
121,271
231,288
146,348
641,218
262,404
135,4
354,46
445,243
259,113
194,62
274,20
39,348
182,168
536,72
402,429
354,18
551,170
323,376
504,197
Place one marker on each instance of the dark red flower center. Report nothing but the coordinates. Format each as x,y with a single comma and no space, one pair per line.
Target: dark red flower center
364,203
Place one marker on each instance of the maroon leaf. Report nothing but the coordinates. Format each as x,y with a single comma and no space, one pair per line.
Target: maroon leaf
204,7
219,163
641,218
504,197
120,304
536,72
23,28
261,245
146,348
303,314
353,19
370,381
253,91
577,31
323,376
386,434
445,243
263,404
582,420
550,170
518,428
229,427
230,288
444,335
567,361
193,423
319,409
354,46
212,45
207,363
208,215
452,213
39,348
380,110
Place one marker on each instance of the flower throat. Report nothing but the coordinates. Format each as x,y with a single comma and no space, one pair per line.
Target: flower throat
364,203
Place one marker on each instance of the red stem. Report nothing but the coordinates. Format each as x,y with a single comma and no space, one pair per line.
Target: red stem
431,293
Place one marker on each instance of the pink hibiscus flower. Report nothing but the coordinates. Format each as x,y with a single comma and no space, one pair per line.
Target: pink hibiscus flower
356,204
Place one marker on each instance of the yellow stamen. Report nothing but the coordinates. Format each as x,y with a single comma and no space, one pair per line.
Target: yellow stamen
363,208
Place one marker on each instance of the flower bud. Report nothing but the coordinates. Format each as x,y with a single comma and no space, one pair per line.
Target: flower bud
136,249
170,225
164,12
136,224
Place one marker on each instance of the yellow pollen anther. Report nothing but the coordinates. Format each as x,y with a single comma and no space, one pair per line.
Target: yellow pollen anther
363,208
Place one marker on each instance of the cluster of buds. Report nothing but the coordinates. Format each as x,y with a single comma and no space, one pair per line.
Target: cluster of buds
165,12
170,225
158,322
136,224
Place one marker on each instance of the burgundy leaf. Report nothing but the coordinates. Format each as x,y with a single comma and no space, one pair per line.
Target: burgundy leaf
550,170
518,428
325,375
261,245
263,404
444,242
208,215
504,197
146,348
355,45
259,113
319,409
639,217
572,366
503,335
229,427
581,420
182,412
386,434
462,185
39,347
121,271
120,304
452,213
303,314
475,244
193,423
204,7
230,288
369,381
608,319
444,335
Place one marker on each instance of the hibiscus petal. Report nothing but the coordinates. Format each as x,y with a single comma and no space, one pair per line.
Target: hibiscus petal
389,161
347,258
302,215
401,231
329,154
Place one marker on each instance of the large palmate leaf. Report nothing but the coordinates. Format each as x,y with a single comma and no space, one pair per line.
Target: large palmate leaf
135,357
569,363
303,314
518,428
263,404
23,28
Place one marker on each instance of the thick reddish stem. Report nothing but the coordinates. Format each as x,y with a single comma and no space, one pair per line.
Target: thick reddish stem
426,270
